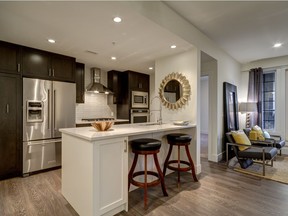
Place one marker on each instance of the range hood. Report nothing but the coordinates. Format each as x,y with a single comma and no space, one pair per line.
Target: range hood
95,86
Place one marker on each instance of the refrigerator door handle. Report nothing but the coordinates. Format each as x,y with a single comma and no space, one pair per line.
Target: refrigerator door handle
54,110
42,142
48,109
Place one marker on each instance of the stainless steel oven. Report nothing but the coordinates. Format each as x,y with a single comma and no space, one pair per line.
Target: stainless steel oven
139,115
139,99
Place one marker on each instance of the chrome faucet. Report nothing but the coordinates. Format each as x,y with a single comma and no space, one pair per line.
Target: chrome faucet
159,121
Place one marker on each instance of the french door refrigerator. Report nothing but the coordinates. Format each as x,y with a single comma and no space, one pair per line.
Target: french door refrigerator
47,107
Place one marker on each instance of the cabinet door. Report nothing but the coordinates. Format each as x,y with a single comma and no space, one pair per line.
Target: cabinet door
112,173
36,63
79,79
63,68
143,80
138,81
10,120
9,58
133,81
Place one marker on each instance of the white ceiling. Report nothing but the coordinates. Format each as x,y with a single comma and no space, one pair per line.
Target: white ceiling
245,30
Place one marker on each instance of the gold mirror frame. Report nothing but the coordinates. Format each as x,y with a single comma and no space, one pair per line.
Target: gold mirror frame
186,89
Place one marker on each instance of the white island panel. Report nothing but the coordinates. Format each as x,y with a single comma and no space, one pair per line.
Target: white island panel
77,173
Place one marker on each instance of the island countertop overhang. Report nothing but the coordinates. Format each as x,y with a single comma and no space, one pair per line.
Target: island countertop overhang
91,134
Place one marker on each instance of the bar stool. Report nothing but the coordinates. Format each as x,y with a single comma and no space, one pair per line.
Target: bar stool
146,146
179,139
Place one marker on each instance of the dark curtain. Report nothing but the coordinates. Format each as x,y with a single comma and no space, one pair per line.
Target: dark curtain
255,89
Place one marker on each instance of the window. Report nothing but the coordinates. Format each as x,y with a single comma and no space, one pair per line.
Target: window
268,108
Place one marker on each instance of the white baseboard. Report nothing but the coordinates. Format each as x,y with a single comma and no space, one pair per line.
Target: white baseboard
215,157
198,169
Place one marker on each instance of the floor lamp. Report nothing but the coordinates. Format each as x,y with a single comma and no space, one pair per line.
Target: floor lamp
248,107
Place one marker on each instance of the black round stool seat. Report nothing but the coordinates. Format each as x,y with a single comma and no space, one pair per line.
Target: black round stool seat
145,144
179,138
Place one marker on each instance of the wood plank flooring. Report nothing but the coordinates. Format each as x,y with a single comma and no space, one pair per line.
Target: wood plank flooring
219,192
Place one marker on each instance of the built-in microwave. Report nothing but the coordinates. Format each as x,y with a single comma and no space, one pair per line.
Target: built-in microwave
139,99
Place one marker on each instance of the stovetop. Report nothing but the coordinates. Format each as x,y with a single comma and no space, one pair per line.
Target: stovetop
97,119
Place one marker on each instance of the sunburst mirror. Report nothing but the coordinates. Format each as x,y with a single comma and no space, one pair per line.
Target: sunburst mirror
174,90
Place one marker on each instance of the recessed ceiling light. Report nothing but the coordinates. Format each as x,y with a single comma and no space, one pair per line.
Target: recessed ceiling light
113,58
117,19
173,46
277,45
150,68
51,41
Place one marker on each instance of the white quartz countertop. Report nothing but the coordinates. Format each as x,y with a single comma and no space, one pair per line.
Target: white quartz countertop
91,134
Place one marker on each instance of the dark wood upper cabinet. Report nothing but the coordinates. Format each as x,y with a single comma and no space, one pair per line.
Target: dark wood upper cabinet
80,82
36,63
122,83
9,58
138,81
63,67
41,64
10,125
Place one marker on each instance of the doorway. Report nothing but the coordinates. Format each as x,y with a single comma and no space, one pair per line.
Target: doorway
208,109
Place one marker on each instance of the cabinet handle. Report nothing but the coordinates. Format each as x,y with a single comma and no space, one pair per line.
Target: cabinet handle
49,71
18,67
53,72
126,146
7,108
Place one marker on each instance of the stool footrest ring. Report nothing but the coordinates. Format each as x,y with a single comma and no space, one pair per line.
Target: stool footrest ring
181,169
142,184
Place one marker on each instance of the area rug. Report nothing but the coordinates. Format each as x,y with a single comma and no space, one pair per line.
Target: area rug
279,171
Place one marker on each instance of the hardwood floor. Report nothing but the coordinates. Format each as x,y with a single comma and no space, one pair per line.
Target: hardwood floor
220,191
35,195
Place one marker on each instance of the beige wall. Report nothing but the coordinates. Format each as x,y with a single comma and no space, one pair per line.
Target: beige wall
184,63
187,64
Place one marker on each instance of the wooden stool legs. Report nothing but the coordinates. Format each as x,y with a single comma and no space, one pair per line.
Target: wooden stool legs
146,184
161,176
190,164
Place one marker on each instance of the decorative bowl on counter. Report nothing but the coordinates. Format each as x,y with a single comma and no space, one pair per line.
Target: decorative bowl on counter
102,125
182,123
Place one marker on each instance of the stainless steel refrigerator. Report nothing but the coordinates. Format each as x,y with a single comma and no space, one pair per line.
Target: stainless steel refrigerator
47,107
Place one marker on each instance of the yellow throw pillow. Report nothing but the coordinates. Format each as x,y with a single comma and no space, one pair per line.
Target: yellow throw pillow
241,138
256,128
259,133
253,135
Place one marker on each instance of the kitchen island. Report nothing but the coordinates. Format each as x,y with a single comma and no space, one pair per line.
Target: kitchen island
95,164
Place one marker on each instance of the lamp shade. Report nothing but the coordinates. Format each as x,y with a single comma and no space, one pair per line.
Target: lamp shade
248,107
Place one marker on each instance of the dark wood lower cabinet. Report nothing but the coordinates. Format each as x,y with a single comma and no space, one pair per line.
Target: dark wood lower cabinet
10,125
